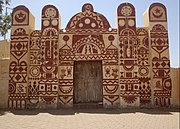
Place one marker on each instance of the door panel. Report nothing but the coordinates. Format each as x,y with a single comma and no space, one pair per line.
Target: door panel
88,81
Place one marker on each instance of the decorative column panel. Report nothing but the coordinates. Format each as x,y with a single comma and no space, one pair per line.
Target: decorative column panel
34,69
48,87
19,56
161,80
128,67
144,67
65,92
110,73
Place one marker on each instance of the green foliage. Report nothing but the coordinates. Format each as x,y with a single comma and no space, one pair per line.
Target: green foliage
3,3
1,9
5,26
5,18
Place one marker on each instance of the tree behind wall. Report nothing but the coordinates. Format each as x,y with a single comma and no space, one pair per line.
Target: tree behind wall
5,18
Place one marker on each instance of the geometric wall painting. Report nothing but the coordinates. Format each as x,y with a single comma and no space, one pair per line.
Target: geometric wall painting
56,68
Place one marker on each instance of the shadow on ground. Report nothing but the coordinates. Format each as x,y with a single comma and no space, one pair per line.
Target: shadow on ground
157,111
2,112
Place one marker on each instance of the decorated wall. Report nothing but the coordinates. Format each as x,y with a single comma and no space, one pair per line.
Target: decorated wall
48,67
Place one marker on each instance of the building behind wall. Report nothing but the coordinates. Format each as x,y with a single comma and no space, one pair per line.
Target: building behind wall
89,62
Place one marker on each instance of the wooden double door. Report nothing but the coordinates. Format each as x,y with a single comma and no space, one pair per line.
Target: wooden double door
88,82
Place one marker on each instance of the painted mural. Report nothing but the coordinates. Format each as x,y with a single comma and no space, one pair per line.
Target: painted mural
133,62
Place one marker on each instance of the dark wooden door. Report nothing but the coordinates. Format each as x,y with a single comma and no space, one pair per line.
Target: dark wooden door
88,81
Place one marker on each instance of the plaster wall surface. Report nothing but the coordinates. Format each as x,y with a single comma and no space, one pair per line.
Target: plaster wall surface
4,49
175,76
4,77
37,68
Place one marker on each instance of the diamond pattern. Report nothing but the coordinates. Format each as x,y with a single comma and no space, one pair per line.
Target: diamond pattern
163,64
159,42
18,77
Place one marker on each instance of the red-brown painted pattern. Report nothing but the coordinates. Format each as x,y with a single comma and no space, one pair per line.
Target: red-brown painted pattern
160,61
18,68
34,69
41,69
89,45
144,67
128,78
48,85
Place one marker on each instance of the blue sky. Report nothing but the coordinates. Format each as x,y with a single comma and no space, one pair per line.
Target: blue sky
68,8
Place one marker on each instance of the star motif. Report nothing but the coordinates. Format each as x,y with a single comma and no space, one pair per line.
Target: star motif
157,11
21,14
